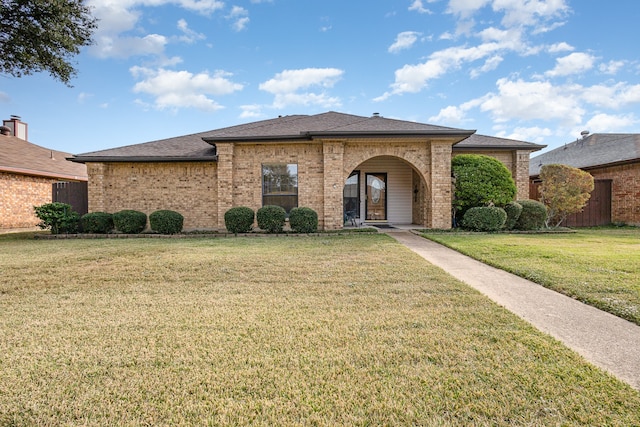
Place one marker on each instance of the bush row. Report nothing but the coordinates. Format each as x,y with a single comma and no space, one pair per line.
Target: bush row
520,215
271,219
60,218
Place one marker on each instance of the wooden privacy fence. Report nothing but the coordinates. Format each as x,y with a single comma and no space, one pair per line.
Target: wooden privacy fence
596,212
73,193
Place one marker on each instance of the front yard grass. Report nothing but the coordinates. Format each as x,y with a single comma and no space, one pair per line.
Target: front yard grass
599,266
335,330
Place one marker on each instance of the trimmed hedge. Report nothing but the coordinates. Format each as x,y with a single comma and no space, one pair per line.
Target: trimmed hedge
166,222
97,222
484,218
303,220
513,210
239,219
533,216
130,221
271,218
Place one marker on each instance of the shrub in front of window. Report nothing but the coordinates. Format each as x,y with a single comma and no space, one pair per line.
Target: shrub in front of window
57,217
239,219
513,210
533,216
480,181
271,218
303,220
130,221
484,218
166,222
97,222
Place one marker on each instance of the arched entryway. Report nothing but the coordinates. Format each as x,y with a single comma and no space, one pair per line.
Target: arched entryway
385,190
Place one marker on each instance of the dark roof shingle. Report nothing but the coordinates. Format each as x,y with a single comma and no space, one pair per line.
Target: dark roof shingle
25,158
595,150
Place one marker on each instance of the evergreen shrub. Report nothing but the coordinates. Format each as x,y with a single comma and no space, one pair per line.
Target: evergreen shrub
484,218
513,210
239,219
303,220
533,216
271,218
58,217
166,222
97,222
130,221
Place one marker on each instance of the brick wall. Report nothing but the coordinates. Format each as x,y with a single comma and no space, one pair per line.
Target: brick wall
189,188
18,195
625,191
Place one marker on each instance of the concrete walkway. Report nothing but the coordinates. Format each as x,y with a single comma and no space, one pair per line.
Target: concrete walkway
605,340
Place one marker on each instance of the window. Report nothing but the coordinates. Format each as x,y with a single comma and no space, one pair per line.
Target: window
280,185
351,197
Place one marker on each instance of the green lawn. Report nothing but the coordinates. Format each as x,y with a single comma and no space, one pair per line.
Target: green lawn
335,330
600,267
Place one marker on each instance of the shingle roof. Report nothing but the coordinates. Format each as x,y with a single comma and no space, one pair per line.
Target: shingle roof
199,146
22,157
476,141
599,149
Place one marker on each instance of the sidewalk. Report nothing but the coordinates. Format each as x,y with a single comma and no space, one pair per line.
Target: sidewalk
605,340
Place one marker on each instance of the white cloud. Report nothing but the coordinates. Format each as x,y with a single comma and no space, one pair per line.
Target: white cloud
240,18
4,97
466,8
530,12
287,87
189,36
612,67
560,47
417,6
534,134
451,116
539,100
83,96
182,89
602,123
404,40
117,17
614,96
489,65
574,63
251,111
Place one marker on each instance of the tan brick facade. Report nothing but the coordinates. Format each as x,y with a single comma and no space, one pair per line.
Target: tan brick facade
204,191
18,195
186,187
625,191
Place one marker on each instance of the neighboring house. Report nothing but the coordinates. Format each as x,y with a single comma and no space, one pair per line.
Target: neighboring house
614,162
349,169
27,172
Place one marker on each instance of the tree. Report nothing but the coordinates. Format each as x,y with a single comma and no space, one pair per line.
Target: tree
43,35
564,190
480,181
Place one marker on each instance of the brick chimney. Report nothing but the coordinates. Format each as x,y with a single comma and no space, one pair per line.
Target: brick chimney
16,127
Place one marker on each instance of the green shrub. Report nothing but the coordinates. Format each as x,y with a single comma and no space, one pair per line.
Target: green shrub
513,210
271,218
484,218
480,181
239,219
166,222
533,216
303,220
97,222
58,217
130,221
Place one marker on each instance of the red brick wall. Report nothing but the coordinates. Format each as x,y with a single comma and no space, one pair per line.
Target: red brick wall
18,195
625,191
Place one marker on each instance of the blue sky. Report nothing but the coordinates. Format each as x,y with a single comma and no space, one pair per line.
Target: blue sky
535,70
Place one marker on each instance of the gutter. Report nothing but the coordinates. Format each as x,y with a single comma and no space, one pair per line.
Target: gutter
140,159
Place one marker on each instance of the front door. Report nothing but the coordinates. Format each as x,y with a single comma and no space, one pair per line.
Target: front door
376,193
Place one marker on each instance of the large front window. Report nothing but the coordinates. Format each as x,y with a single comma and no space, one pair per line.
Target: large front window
280,185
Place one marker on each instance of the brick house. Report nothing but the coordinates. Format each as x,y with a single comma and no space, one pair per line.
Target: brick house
349,169
27,172
613,159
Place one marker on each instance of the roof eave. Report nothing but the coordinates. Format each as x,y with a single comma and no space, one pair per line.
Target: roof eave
44,174
140,159
457,133
532,147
